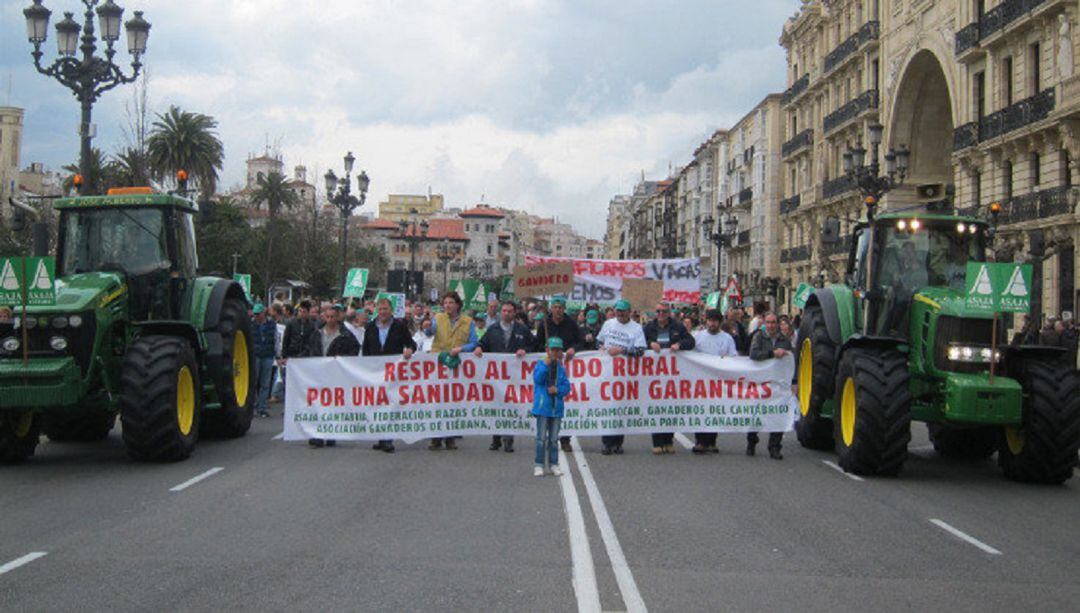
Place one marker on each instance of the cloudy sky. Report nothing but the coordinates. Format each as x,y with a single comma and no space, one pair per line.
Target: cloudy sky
551,106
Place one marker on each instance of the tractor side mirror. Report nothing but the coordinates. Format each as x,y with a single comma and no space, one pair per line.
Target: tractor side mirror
830,232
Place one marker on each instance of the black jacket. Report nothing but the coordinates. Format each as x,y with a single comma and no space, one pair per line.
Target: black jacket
521,337
567,330
343,344
763,346
294,342
676,334
397,339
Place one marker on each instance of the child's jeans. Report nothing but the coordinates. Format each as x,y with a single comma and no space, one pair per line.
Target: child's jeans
547,437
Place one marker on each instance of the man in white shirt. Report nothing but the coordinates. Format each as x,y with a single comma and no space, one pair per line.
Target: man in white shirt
713,341
620,336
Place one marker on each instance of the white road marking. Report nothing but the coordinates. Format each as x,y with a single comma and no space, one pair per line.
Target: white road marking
623,576
965,537
278,436
23,561
836,467
685,442
192,481
585,589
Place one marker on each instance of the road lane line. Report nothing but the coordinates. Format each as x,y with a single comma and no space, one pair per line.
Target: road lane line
623,575
965,537
685,442
279,436
192,481
836,467
585,588
23,561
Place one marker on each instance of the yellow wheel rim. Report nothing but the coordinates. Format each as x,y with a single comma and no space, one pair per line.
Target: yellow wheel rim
806,376
185,401
847,412
23,423
240,369
1014,438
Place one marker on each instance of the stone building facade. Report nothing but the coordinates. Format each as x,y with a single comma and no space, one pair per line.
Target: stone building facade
11,125
985,95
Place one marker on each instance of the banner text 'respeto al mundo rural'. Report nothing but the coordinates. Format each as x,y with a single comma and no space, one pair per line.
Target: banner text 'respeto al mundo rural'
600,281
364,398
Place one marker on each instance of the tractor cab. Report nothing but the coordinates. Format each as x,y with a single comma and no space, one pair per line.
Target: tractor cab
896,256
146,238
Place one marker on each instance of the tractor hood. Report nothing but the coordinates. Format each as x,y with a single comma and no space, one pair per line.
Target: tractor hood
948,301
83,292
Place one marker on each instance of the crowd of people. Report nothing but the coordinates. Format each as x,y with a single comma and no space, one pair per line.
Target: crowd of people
366,328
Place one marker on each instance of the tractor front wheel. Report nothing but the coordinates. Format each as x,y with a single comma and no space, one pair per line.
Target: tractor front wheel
963,443
816,370
161,399
19,433
236,392
78,426
873,417
1043,448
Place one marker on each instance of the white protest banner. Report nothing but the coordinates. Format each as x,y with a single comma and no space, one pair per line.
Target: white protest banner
600,281
368,398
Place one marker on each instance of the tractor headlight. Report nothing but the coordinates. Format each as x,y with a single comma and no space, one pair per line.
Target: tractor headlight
31,323
10,344
58,343
59,322
966,353
75,321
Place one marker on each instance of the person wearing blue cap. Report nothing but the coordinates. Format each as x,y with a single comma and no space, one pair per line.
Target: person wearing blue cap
552,385
263,337
620,336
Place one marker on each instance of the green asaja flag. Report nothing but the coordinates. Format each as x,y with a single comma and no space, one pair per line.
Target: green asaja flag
998,287
802,294
356,283
712,301
32,279
245,282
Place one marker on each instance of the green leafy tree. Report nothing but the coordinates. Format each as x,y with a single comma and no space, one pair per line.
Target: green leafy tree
131,168
221,231
99,175
274,191
188,141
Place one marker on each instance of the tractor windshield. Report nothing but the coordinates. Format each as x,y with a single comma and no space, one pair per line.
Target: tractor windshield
131,240
918,253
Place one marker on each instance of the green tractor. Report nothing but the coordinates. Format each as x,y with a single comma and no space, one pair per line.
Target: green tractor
895,342
134,332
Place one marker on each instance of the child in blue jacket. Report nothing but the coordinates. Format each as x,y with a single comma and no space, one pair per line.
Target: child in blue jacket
551,387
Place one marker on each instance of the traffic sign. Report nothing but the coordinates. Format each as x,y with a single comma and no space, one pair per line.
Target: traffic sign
356,283
245,282
998,287
30,281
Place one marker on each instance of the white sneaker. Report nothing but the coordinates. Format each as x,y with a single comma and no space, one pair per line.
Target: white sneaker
555,470
538,471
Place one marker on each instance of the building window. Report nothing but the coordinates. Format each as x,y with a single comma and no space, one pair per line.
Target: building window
1066,170
978,94
1007,179
489,249
1007,81
1034,72
976,188
1036,174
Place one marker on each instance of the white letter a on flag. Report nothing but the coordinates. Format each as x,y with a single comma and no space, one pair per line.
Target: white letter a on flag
982,283
8,280
1016,286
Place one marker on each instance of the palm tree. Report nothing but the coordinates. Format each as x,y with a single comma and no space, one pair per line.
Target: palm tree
274,190
133,167
98,176
183,140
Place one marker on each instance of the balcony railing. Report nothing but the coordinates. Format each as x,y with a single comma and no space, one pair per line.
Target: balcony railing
1037,205
796,88
800,140
851,109
836,187
966,136
841,246
1018,115
746,195
993,21
795,254
967,37
868,32
788,205
743,239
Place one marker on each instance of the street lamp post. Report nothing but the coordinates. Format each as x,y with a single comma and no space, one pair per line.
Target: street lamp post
444,255
413,233
723,238
92,75
867,177
339,194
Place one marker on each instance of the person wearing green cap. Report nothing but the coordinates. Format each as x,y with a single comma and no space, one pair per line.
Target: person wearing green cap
620,336
263,341
558,325
552,385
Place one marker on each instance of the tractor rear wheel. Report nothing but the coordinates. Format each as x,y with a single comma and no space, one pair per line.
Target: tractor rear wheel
873,417
19,433
1043,449
160,400
816,370
78,426
237,391
964,443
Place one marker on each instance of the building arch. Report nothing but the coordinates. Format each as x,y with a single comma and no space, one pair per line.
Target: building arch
922,117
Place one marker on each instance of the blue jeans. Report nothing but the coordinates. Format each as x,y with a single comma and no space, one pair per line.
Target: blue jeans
264,371
547,437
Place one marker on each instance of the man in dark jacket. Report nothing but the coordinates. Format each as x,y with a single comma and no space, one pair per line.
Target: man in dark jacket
666,333
385,335
558,325
332,340
738,330
263,337
506,335
298,330
768,344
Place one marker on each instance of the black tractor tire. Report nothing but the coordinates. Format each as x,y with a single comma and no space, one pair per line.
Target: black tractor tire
78,426
878,419
1044,448
964,443
19,434
237,398
813,430
161,399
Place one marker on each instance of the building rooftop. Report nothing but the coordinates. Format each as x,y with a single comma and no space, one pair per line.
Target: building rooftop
482,210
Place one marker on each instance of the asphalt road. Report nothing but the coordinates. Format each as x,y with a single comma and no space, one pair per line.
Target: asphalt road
282,526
